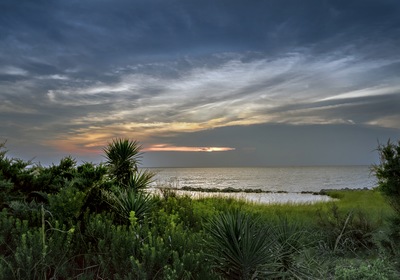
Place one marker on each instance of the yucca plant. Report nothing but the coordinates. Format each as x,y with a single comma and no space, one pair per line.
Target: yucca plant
123,157
290,258
239,245
140,180
129,204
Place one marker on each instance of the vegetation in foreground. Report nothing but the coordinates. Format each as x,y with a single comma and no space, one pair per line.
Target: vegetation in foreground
70,221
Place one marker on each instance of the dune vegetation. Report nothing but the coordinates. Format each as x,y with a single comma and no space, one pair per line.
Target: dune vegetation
70,221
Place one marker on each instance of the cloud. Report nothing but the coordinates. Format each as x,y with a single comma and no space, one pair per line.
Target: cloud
75,76
390,121
8,107
13,71
233,91
236,89
365,92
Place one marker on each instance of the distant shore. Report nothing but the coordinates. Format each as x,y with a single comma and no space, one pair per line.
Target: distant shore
256,195
257,190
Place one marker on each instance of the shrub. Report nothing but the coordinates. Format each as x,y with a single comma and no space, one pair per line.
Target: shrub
123,158
239,245
15,171
346,231
5,189
129,202
66,205
163,250
109,248
140,180
388,173
183,208
290,260
34,252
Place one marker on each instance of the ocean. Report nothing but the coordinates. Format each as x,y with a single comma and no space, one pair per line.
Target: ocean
275,179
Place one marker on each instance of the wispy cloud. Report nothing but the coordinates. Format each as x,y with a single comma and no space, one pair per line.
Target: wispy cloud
232,91
148,74
13,71
366,92
237,89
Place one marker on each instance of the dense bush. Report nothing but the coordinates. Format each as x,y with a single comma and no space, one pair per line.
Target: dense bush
70,221
240,246
346,232
388,173
94,221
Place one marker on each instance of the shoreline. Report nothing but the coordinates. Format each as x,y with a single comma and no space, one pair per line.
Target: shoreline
256,195
258,190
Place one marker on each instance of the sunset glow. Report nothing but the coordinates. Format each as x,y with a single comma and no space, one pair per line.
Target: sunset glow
201,76
168,148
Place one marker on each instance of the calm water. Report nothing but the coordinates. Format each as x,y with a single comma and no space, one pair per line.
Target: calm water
290,179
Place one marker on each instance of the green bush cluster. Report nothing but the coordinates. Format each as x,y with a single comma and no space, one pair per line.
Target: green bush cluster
88,221
388,175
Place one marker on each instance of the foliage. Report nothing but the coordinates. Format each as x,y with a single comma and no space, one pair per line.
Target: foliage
140,180
34,252
184,208
3,150
388,173
53,178
5,188
123,158
290,260
239,246
70,221
167,192
347,231
143,251
371,201
378,269
67,204
129,202
15,171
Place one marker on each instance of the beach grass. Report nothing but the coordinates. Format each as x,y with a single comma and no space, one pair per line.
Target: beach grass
370,202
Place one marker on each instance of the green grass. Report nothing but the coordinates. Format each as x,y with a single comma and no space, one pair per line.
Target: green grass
371,202
345,227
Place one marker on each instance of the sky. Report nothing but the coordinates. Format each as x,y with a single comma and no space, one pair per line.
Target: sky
201,83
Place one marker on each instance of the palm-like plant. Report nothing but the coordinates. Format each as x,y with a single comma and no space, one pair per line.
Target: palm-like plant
290,243
240,247
129,202
123,157
140,180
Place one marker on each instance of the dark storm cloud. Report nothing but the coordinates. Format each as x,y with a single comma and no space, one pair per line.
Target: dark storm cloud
76,70
71,31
